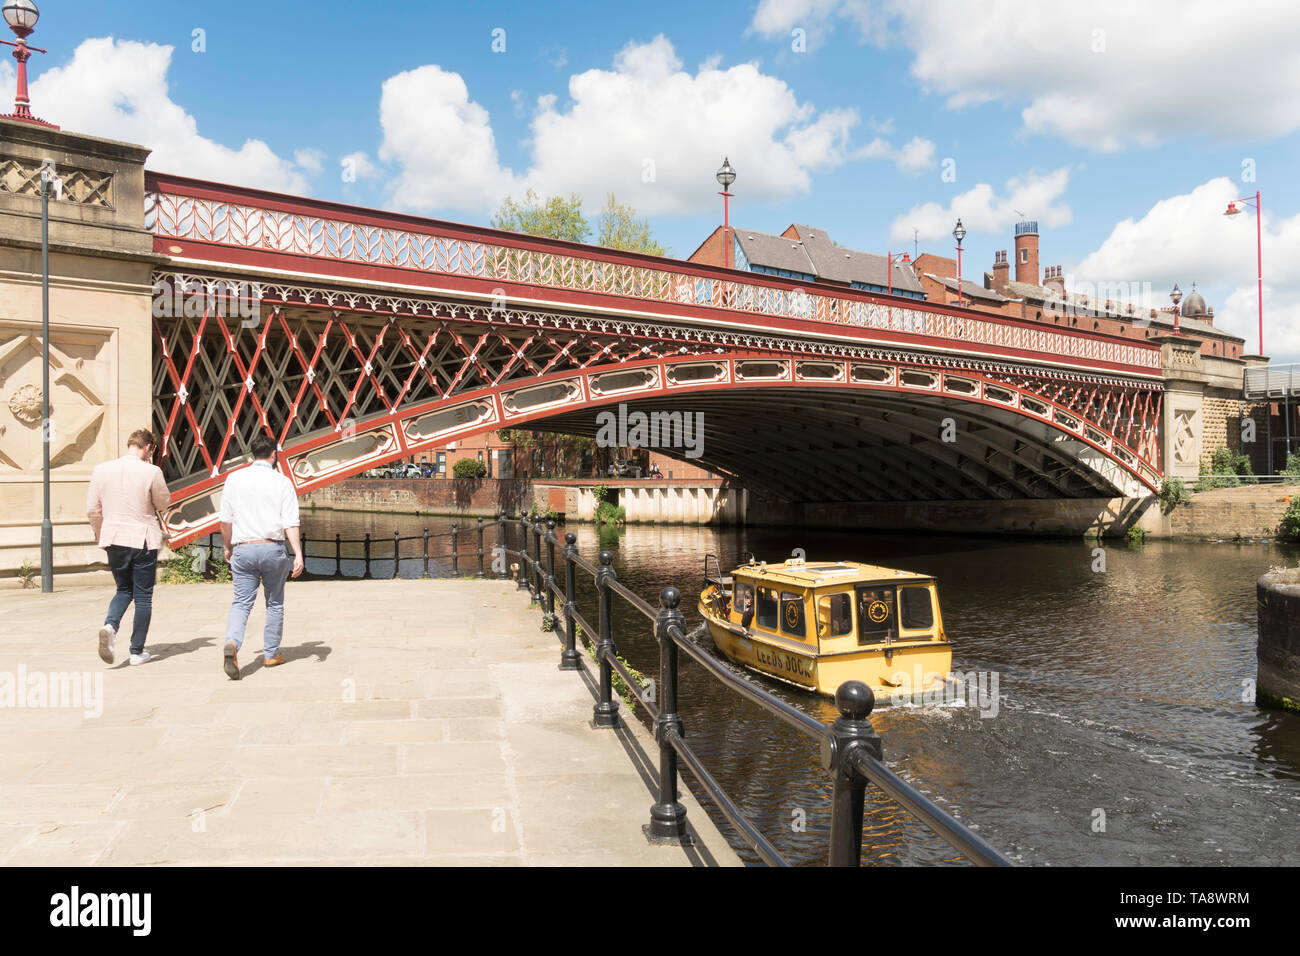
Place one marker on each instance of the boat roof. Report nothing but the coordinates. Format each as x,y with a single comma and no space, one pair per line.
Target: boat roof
816,573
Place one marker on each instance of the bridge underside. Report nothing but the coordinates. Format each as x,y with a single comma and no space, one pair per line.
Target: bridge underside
345,382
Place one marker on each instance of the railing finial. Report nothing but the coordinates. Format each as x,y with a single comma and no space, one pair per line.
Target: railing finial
670,598
570,539
854,699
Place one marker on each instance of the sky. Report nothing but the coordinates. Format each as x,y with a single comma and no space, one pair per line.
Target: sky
1123,128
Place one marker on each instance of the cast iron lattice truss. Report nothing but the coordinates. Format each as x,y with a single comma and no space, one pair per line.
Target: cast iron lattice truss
344,381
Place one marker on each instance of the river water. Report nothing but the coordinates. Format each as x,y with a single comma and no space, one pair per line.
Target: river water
1123,730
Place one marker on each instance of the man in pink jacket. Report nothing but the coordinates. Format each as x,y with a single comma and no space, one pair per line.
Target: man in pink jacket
122,504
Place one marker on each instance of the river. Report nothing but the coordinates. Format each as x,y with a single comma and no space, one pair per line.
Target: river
1124,731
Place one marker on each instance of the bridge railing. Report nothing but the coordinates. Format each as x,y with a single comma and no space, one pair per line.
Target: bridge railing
851,751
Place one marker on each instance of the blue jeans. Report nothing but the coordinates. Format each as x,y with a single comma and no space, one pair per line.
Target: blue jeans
134,570
267,564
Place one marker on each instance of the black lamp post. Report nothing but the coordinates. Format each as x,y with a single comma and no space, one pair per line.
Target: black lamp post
726,176
959,233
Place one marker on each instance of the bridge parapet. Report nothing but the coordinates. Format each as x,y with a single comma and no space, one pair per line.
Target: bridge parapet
220,223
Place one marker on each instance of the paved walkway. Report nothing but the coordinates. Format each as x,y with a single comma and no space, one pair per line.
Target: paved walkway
415,722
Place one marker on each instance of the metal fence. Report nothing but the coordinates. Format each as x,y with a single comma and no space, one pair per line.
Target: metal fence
851,751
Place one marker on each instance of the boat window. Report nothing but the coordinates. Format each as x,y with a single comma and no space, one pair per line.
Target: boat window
916,608
792,617
876,618
767,609
743,596
834,615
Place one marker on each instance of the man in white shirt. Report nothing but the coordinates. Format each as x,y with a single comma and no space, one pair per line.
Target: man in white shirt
259,510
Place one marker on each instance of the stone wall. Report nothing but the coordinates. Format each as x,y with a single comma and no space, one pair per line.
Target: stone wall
469,496
1278,652
1221,419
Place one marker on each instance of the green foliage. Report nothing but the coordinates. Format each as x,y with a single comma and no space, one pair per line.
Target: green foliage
26,574
555,218
469,468
1136,535
1292,469
619,228
1288,529
537,511
192,566
1225,470
548,621
1174,492
616,682
599,493
611,514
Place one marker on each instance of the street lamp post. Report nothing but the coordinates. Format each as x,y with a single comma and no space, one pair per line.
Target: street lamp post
1176,296
959,233
1233,210
726,176
21,15
47,526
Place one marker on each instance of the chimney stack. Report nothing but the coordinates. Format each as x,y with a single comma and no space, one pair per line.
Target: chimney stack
1001,272
1027,252
1052,279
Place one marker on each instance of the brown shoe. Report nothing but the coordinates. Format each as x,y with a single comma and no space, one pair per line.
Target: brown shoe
229,661
275,661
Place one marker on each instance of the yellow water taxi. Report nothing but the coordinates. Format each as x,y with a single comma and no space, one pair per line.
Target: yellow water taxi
818,624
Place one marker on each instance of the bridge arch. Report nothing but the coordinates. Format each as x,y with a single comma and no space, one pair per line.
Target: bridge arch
345,382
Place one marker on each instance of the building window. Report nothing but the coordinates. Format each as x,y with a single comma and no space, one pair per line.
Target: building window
1024,255
442,464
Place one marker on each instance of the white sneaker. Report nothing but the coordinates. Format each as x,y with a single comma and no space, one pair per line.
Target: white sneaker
107,638
141,658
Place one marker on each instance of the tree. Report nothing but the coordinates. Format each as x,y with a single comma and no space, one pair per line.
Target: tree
619,228
555,218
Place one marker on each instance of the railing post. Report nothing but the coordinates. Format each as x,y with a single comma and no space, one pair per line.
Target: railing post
550,566
305,555
569,660
605,713
338,555
668,817
455,557
397,558
504,570
426,552
480,546
851,730
366,573
522,569
535,582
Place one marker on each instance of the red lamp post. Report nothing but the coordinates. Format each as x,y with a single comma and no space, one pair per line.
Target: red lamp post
1232,210
889,268
959,233
726,176
21,15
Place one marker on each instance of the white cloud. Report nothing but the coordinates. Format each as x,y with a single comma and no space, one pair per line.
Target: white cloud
914,156
443,142
1186,238
647,130
312,160
358,165
982,210
118,89
1104,75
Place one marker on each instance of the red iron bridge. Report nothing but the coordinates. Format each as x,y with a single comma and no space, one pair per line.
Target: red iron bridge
356,337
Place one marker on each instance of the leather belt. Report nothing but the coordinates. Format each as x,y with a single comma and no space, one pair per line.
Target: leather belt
260,541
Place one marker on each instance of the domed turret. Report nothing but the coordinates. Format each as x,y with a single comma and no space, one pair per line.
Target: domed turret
1194,307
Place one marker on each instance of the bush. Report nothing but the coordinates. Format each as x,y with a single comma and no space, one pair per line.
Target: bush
1292,469
1225,470
193,566
469,468
611,514
1288,529
1173,492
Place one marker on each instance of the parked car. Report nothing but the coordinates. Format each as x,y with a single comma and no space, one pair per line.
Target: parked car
624,469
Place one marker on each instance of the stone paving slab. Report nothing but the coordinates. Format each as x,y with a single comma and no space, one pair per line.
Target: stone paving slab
414,723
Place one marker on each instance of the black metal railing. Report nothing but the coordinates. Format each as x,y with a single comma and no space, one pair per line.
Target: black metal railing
851,751
468,551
